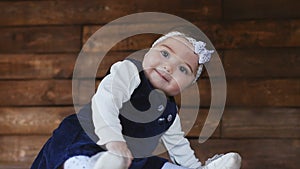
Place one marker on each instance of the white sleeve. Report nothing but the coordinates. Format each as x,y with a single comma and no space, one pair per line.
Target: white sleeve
179,147
115,89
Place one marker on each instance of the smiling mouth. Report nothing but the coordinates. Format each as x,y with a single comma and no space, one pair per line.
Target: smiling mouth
163,75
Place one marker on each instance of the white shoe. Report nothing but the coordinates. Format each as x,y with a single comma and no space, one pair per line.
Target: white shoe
109,160
227,161
169,165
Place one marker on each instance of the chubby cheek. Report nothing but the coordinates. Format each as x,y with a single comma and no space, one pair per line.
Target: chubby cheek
178,86
150,61
173,89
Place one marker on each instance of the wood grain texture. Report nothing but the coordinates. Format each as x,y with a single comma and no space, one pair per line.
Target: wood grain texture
53,12
32,120
36,66
267,92
236,123
193,123
21,148
250,92
261,123
91,65
95,42
267,9
36,92
53,66
263,92
262,63
223,35
252,33
237,64
43,120
40,39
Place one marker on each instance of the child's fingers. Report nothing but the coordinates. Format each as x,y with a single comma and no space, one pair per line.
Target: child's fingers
128,162
129,157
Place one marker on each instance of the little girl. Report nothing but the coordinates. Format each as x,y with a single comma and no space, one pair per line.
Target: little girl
132,111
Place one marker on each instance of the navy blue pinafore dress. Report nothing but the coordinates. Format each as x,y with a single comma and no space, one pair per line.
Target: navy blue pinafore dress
75,135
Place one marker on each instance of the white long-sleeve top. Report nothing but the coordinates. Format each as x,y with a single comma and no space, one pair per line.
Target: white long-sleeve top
116,89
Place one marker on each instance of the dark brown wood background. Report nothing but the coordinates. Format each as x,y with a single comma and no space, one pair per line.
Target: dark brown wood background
258,41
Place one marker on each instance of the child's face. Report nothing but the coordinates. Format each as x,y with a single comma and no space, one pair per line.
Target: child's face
171,65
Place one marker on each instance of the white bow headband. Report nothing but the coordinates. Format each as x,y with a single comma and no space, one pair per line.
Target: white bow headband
199,49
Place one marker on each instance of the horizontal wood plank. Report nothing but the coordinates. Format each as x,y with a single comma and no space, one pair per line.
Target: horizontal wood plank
36,66
20,148
32,120
248,93
253,33
193,10
236,123
237,63
263,92
193,123
36,92
267,9
43,120
262,63
272,154
96,42
53,66
242,63
267,92
95,64
53,12
40,39
261,123
223,35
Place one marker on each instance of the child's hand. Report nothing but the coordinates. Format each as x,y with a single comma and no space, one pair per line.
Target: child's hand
120,148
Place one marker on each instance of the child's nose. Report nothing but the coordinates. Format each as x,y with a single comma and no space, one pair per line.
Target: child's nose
168,68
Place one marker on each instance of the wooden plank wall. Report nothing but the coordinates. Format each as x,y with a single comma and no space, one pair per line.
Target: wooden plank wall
258,41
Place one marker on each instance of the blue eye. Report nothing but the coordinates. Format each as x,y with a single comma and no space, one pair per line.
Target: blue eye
164,53
183,69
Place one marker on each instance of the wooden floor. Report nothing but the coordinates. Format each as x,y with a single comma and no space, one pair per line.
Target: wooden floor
258,43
